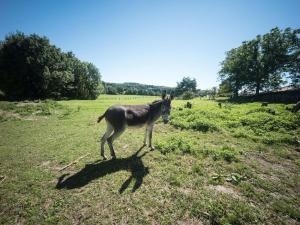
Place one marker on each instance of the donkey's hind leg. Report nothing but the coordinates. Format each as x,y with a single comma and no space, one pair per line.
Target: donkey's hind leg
150,138
146,136
110,140
109,130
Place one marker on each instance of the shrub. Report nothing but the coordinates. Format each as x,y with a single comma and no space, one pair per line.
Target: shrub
187,95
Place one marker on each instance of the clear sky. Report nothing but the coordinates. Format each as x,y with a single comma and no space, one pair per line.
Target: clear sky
154,41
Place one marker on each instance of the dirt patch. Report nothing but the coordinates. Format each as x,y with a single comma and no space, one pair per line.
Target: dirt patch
4,115
190,221
186,190
50,166
22,104
272,178
268,164
226,190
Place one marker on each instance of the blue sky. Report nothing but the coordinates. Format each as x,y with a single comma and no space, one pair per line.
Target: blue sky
151,42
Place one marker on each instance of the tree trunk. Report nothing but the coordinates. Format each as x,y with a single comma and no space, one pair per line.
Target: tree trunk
257,88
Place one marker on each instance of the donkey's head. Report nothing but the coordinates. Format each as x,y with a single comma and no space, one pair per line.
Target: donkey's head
166,106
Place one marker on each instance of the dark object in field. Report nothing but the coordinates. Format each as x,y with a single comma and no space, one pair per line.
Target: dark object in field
264,104
118,118
220,105
296,107
288,108
180,109
188,105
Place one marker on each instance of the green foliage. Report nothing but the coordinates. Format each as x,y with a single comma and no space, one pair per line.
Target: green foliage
261,63
179,144
183,144
225,89
270,125
235,178
192,119
135,89
226,153
264,109
187,95
187,84
32,68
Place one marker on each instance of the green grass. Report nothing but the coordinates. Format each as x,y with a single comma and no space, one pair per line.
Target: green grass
238,164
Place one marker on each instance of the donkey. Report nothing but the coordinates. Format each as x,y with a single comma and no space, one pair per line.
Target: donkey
118,118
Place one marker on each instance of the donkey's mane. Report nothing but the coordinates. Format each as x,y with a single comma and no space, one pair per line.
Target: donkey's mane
156,101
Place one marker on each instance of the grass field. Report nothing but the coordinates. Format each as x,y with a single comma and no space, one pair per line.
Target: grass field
234,164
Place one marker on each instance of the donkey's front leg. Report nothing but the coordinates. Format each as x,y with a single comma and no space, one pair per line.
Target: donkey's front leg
150,138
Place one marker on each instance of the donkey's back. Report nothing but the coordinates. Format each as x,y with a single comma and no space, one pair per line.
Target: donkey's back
127,115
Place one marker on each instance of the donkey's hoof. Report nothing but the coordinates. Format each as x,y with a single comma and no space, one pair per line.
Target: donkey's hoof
152,148
104,157
113,157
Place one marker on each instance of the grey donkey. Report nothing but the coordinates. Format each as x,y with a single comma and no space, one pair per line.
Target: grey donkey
119,117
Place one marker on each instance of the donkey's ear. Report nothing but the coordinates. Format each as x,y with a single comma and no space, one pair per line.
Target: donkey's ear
164,94
171,96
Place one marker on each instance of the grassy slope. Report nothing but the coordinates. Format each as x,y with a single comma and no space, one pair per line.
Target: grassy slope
232,174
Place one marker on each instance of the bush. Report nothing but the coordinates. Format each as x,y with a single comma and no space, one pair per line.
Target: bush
187,95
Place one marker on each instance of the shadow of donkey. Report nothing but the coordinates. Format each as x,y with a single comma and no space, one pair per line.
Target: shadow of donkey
98,169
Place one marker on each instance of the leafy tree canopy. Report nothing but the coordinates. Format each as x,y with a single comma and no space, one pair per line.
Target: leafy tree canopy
30,68
186,85
262,63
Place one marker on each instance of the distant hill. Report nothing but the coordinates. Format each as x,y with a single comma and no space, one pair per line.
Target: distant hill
131,88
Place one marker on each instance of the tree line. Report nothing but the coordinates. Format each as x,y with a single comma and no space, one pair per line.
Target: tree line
130,88
264,63
31,68
185,89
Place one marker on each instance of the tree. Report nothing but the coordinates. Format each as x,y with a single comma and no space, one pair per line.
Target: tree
293,66
30,67
260,63
225,88
187,84
233,69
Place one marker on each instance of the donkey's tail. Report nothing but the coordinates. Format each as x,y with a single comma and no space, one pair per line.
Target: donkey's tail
100,118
